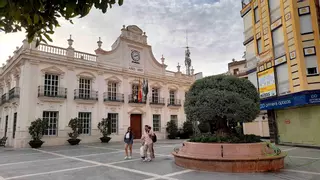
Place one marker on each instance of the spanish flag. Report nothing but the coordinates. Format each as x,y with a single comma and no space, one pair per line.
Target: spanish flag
139,92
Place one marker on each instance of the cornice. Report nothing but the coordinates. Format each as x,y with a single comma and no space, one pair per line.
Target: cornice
92,66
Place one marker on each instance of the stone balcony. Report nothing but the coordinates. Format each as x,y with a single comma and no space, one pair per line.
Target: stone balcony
47,93
175,103
157,101
85,96
113,98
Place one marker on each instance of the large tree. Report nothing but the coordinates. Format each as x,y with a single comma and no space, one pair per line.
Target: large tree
40,17
222,100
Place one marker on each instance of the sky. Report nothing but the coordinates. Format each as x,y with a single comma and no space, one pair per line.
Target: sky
215,31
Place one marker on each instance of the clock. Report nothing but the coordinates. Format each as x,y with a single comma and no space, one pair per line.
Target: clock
135,55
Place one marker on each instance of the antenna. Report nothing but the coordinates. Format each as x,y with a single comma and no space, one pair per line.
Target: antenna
187,37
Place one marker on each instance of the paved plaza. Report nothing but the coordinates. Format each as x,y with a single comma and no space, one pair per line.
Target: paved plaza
106,161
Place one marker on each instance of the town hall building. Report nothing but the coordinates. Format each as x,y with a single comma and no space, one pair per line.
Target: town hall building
59,83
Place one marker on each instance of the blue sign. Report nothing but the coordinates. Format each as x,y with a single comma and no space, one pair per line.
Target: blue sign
291,100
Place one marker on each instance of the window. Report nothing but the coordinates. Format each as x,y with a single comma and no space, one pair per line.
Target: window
112,91
51,84
236,71
14,125
114,122
278,42
259,46
256,15
174,118
85,121
135,89
156,123
155,95
84,88
311,65
52,118
305,24
172,94
274,8
282,79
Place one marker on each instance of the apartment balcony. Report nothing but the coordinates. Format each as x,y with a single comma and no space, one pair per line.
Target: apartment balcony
134,101
85,96
14,93
174,103
56,94
113,98
157,101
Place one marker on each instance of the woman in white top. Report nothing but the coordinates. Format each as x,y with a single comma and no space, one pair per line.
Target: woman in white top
128,140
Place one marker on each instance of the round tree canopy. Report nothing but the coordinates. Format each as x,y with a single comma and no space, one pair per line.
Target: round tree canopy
222,97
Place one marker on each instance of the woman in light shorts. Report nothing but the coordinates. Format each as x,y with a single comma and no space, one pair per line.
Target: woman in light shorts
128,140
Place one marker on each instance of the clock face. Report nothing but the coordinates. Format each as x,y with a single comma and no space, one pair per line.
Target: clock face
135,55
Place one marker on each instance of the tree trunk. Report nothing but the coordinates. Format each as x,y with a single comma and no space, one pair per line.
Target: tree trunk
222,127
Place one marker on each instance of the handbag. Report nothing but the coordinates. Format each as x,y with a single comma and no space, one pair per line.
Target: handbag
142,151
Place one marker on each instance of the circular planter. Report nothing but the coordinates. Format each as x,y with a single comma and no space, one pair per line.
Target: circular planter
105,139
36,143
74,141
225,157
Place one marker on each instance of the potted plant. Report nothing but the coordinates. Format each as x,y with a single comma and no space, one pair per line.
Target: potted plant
36,130
105,129
172,129
75,126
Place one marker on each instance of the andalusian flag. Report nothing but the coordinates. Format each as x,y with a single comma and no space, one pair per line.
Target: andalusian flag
139,92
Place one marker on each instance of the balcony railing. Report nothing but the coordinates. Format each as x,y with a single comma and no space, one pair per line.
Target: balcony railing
14,93
85,94
4,98
135,99
116,97
174,102
51,91
157,100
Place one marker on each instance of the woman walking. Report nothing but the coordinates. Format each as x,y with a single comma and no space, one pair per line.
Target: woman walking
128,140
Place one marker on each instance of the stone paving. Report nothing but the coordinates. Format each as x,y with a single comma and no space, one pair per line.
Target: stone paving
106,162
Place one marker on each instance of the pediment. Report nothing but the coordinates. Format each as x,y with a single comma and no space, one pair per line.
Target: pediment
53,70
86,75
134,29
156,85
113,79
173,87
136,111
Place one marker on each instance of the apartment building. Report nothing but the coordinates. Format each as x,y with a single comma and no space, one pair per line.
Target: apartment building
282,52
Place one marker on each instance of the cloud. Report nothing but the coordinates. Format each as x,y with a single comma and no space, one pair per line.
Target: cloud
215,31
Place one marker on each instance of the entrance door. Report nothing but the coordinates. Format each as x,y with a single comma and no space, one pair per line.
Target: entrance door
136,125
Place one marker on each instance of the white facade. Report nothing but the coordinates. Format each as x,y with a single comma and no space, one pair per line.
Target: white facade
61,83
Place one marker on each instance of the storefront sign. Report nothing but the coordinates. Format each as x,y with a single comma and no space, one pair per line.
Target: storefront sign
291,100
267,86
